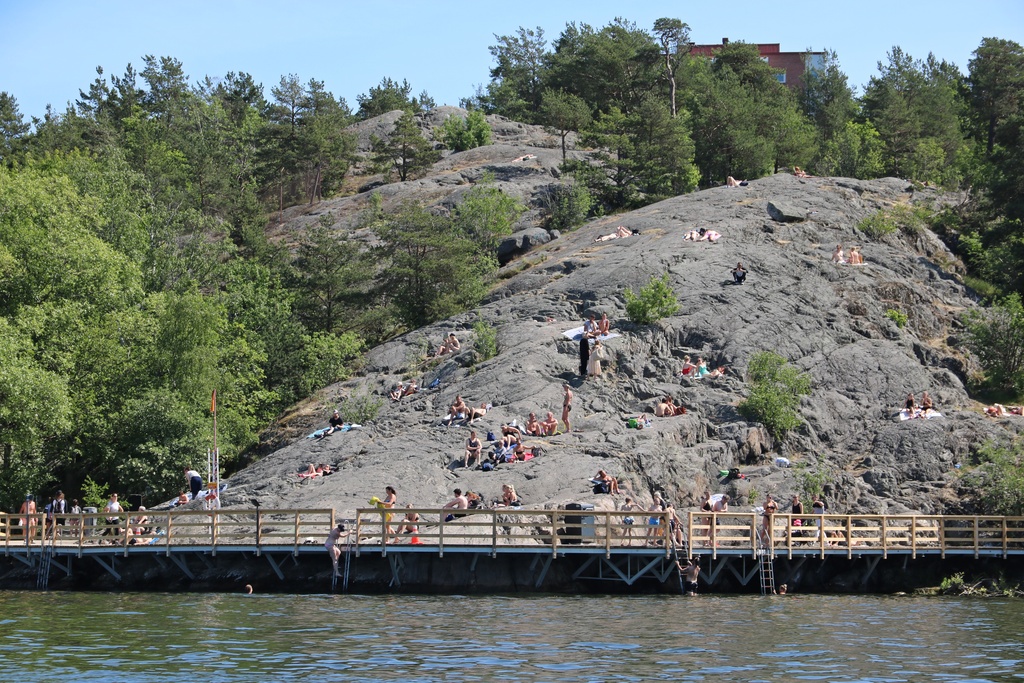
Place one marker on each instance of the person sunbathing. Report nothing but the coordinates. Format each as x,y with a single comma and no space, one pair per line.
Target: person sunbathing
604,326
800,173
550,424
999,410
410,523
525,157
910,404
926,402
732,182
477,413
473,450
398,392
509,498
693,235
703,371
837,255
619,233
688,367
708,235
533,426
449,345
856,258
673,408
739,274
510,435
410,388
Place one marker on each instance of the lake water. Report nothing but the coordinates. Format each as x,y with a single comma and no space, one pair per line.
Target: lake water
85,637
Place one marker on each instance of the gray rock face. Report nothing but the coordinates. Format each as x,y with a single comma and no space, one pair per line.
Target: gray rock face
827,319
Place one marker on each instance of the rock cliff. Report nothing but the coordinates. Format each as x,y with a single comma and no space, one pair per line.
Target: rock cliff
827,319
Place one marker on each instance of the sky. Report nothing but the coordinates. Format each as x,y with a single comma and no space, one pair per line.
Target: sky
51,48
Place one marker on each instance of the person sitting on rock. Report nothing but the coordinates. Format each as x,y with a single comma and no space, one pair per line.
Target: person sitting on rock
856,258
739,274
662,409
926,402
509,498
604,326
910,405
458,409
999,410
800,173
607,482
473,450
550,424
533,426
510,435
707,235
398,392
837,255
449,345
590,327
688,367
732,182
336,422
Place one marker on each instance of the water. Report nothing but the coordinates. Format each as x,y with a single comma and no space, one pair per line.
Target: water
92,637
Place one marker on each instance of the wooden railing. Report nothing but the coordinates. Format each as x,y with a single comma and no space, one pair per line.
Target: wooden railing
518,529
169,528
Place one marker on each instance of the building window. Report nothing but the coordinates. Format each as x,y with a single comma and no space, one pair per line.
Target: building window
781,77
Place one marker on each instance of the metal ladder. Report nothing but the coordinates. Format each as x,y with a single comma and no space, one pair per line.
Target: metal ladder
766,562
45,560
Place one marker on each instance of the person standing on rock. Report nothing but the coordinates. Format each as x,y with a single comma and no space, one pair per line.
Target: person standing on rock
596,355
584,354
566,406
195,482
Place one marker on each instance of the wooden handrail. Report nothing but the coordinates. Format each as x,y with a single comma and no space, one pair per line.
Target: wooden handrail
553,529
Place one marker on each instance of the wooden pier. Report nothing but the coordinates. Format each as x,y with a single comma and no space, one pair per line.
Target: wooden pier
583,545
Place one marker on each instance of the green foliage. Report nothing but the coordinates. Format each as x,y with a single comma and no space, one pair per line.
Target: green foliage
486,340
568,206
360,408
811,480
996,336
328,358
94,495
486,215
909,219
776,388
856,151
996,482
953,584
897,316
564,113
405,153
654,302
459,134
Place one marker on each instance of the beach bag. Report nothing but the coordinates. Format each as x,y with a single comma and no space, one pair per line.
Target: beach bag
491,437
603,487
487,466
632,423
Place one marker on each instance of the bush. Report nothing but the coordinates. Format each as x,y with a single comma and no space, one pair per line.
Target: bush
996,336
486,341
569,206
360,408
911,220
458,134
654,302
997,481
775,393
898,317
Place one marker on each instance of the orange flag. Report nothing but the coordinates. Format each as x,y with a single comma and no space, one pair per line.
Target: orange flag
213,402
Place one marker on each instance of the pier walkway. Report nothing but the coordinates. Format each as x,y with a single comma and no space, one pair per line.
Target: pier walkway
607,546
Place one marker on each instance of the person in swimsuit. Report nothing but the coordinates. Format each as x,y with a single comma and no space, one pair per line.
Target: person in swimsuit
690,573
566,406
533,427
770,508
549,425
605,325
410,522
332,545
473,449
390,498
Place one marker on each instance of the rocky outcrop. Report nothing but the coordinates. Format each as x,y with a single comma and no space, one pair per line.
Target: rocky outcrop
829,320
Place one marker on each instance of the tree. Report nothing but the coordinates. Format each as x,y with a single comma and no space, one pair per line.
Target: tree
996,336
517,76
563,113
428,269
854,152
405,152
12,127
776,388
389,96
674,38
330,279
996,86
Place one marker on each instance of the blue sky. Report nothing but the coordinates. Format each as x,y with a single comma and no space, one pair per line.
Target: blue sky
51,47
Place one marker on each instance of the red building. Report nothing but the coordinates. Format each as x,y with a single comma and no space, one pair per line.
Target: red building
792,64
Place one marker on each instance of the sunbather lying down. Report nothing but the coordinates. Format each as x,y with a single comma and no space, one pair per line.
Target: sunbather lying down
999,410
525,157
619,233
702,235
